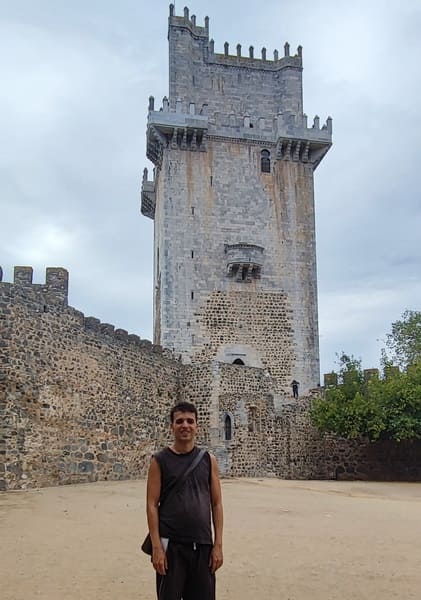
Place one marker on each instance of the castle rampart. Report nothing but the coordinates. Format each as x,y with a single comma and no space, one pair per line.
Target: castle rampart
81,401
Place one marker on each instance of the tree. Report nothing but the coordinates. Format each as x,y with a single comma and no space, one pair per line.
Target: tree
388,408
404,341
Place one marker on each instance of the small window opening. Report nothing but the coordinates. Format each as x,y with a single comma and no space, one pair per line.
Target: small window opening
252,419
192,254
192,210
238,361
227,428
265,161
192,295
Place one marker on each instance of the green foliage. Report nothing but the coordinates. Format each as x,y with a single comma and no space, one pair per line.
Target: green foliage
404,341
388,408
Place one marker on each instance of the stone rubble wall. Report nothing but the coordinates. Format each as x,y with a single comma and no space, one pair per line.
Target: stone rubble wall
81,402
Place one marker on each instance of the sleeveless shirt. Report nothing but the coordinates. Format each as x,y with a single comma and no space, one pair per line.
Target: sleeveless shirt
187,517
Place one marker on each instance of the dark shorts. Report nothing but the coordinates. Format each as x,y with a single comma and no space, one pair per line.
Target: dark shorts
188,576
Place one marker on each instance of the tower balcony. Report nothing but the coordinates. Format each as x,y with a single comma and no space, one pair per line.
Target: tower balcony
244,261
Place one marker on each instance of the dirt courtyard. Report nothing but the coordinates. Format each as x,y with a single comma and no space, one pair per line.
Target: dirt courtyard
286,540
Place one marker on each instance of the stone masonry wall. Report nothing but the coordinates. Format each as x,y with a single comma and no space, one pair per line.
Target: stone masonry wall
224,199
80,401
231,83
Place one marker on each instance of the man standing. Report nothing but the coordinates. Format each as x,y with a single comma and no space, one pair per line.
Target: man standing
184,555
294,385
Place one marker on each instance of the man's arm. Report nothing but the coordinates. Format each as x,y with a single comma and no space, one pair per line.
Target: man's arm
216,559
153,491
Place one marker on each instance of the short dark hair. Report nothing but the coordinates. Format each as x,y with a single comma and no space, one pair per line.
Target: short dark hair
183,407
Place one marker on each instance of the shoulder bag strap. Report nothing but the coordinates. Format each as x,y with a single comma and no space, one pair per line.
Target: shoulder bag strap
184,476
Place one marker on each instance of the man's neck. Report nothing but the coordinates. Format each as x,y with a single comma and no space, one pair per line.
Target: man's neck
182,448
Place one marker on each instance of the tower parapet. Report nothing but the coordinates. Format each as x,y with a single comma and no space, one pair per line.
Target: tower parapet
243,98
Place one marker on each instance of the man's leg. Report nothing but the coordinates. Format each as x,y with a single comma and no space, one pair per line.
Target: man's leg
170,586
200,583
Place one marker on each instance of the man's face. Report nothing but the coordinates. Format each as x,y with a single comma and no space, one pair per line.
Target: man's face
184,426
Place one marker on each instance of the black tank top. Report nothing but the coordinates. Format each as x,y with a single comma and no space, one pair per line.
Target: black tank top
187,517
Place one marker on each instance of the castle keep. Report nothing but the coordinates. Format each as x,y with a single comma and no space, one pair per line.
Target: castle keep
235,303
233,208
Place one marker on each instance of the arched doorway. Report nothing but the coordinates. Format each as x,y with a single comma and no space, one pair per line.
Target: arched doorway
238,361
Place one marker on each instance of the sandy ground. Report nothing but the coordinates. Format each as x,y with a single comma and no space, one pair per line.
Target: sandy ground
284,540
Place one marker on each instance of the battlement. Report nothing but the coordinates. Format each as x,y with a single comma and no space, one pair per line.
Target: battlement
54,292
186,125
252,62
187,23
108,331
51,297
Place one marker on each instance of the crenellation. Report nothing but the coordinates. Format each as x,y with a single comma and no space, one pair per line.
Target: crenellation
92,324
121,334
106,329
23,275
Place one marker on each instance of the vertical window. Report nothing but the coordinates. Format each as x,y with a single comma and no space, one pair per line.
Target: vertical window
252,419
227,428
265,161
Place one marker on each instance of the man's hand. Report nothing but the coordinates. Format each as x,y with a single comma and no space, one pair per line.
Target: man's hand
159,560
216,558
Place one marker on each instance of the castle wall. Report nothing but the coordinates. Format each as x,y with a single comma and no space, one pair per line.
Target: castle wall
80,401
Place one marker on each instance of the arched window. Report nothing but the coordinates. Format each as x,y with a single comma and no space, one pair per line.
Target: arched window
238,361
265,161
227,428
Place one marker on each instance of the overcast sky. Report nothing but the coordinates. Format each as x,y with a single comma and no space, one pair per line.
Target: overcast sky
75,82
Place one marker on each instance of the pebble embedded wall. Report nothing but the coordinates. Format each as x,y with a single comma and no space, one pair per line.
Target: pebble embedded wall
258,320
80,400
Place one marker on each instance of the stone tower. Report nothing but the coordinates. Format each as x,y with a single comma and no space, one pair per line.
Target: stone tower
233,207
